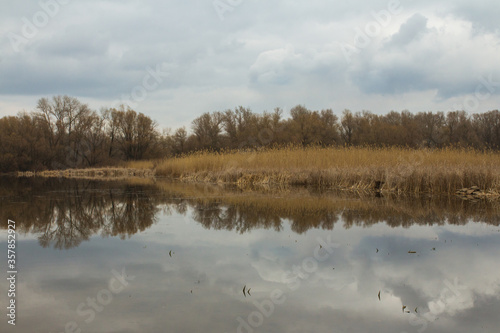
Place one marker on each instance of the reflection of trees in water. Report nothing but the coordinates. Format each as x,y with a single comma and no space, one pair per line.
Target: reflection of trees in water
405,212
228,217
67,212
246,212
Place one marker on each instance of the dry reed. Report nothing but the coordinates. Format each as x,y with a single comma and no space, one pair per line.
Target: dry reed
95,173
386,169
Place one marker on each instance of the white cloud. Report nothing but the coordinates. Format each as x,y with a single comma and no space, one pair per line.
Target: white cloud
442,56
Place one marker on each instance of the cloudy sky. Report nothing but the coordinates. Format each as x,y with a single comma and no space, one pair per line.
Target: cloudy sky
175,59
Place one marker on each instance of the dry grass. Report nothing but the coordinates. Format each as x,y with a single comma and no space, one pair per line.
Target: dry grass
385,169
94,173
141,164
389,169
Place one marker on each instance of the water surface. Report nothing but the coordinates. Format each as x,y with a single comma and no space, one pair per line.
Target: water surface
143,256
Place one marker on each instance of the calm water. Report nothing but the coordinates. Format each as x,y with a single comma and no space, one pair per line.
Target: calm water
137,257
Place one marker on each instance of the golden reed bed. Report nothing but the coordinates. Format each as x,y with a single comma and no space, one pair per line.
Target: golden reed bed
397,170
385,169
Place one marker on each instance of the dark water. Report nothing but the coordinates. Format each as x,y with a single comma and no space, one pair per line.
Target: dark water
159,257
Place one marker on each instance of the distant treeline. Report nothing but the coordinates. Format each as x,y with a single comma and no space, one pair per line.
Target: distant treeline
64,133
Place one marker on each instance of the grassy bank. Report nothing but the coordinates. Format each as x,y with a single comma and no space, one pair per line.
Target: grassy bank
92,173
385,169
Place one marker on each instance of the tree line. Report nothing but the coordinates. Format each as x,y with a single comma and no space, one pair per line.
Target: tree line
63,132
241,128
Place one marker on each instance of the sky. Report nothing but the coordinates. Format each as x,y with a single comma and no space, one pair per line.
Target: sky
174,60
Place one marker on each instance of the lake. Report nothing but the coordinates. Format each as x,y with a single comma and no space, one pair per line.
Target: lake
155,256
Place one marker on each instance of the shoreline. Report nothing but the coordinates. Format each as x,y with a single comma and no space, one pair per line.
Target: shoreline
325,179
90,173
463,172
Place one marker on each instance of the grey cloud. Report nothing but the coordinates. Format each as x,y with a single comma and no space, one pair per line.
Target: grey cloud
481,13
286,66
75,46
405,78
390,79
409,31
422,59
